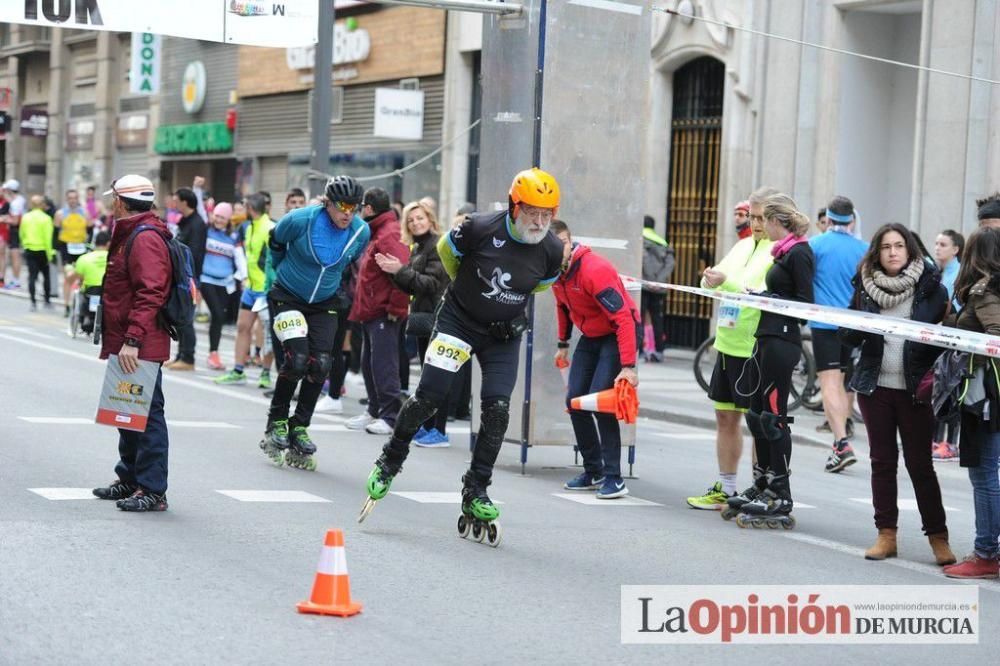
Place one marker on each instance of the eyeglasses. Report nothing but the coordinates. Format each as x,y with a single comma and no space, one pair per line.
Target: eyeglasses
345,207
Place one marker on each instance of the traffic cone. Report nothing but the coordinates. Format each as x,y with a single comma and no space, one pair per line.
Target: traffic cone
331,593
622,401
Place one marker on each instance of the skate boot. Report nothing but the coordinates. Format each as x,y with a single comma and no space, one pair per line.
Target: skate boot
771,509
479,514
386,469
736,503
275,441
300,449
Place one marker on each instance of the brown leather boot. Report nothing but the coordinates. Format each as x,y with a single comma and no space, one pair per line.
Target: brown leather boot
942,552
885,545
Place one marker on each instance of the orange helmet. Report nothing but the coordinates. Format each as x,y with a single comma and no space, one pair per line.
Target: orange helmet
534,187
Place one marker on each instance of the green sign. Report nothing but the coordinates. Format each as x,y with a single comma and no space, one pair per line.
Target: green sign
196,138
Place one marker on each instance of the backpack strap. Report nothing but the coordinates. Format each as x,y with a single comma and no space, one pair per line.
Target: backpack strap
135,232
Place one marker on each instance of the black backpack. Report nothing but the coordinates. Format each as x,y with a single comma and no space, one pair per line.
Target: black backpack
178,311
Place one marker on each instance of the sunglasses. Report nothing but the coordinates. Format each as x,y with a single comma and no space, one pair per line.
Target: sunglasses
345,207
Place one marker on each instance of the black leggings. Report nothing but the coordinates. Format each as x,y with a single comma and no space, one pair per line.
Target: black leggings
771,367
439,420
217,299
303,359
340,357
38,262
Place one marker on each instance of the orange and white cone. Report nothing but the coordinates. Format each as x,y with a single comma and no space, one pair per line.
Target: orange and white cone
605,401
331,593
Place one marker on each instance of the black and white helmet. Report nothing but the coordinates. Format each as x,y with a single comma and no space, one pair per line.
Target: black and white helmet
344,189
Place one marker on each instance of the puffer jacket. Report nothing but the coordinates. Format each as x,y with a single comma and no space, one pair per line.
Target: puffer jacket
930,303
424,278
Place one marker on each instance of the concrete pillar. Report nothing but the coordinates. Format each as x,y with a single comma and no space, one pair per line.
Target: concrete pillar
458,86
105,105
984,40
13,161
657,148
54,142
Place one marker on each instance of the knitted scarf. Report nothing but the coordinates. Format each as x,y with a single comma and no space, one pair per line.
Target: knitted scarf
891,291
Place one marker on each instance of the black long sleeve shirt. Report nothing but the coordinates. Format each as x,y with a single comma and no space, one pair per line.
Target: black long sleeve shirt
791,278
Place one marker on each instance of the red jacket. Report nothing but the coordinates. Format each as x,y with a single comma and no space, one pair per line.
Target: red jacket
376,295
135,291
591,296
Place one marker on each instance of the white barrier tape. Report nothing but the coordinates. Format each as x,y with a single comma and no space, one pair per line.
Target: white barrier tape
930,334
332,561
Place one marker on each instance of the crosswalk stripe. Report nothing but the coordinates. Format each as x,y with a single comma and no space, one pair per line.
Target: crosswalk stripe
433,497
56,420
202,424
592,500
64,493
272,496
901,504
24,330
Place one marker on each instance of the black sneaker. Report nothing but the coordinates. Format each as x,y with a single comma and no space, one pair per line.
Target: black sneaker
841,457
116,490
142,501
824,427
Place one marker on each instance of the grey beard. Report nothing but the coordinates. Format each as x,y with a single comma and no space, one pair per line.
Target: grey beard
531,237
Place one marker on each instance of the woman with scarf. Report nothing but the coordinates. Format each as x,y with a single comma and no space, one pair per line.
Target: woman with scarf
896,279
779,345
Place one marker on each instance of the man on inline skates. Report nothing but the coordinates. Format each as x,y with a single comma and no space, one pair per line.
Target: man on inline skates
496,262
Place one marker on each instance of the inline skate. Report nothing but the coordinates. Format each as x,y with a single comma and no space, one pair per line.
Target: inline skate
275,441
736,503
385,470
300,449
479,514
771,509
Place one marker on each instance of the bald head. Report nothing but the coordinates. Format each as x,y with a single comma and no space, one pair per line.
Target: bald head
37,201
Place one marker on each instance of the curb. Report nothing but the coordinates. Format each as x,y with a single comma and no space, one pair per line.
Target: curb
709,424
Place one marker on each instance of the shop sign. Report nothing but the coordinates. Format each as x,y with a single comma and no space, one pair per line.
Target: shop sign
80,135
34,121
144,76
399,114
193,87
195,138
350,44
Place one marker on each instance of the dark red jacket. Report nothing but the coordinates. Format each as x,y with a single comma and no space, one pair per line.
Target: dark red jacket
590,295
136,290
376,295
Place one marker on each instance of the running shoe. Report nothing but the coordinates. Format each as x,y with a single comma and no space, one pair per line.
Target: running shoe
214,362
713,500
232,378
584,481
116,490
824,427
142,501
359,422
328,405
432,439
841,457
265,380
378,427
945,452
612,488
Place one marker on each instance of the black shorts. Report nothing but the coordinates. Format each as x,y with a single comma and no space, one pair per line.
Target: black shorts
731,387
67,258
829,351
14,239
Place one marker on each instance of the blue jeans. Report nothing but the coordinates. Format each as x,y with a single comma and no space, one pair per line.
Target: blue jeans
986,498
144,454
595,365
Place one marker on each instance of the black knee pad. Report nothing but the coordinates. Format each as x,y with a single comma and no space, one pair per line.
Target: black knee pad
766,426
319,367
415,411
493,424
296,365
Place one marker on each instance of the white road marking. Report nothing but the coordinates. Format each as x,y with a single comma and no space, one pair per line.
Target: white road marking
57,420
591,499
431,497
272,496
902,504
24,330
611,7
332,427
931,570
684,435
202,424
64,493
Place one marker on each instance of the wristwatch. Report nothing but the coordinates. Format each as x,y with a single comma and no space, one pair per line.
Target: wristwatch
132,342
562,344
628,367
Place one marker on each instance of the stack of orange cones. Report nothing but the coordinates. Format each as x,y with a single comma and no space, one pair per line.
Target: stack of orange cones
622,401
331,593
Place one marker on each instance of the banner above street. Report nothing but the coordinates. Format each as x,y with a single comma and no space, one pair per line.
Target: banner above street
279,23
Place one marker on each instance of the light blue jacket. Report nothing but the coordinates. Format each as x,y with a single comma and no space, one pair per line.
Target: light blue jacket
299,269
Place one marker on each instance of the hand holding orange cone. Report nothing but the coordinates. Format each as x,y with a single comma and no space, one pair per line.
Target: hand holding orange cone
563,366
622,401
331,593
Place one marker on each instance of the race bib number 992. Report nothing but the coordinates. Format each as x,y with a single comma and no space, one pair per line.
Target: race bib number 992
447,352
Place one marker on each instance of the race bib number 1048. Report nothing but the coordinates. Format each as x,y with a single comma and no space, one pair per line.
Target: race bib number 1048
447,352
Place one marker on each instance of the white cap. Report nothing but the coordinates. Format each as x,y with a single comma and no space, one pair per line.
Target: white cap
12,185
134,187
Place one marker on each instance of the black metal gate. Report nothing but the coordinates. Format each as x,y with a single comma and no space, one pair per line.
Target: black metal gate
692,202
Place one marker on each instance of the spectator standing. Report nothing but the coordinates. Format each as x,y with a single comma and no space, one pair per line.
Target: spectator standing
35,235
16,205
135,289
741,218
191,231
380,307
988,214
897,280
822,222
948,256
657,265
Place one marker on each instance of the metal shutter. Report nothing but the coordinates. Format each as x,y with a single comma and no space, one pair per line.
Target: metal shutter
274,179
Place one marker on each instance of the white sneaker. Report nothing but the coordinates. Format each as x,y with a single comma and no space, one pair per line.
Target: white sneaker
378,427
354,379
328,405
359,422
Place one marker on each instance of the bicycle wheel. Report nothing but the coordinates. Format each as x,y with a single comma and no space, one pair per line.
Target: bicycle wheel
803,380
74,314
704,363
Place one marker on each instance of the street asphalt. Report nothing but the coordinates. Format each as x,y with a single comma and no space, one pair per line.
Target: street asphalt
216,579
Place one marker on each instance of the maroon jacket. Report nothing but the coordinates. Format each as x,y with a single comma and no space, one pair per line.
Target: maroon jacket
377,295
135,291
590,295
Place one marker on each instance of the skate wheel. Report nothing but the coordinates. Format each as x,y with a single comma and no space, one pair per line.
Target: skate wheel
366,508
728,514
493,534
311,465
789,524
772,523
478,532
464,526
742,521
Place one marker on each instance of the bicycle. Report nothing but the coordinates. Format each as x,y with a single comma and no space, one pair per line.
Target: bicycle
804,389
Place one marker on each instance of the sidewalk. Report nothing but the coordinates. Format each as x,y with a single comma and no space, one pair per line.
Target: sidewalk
667,391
